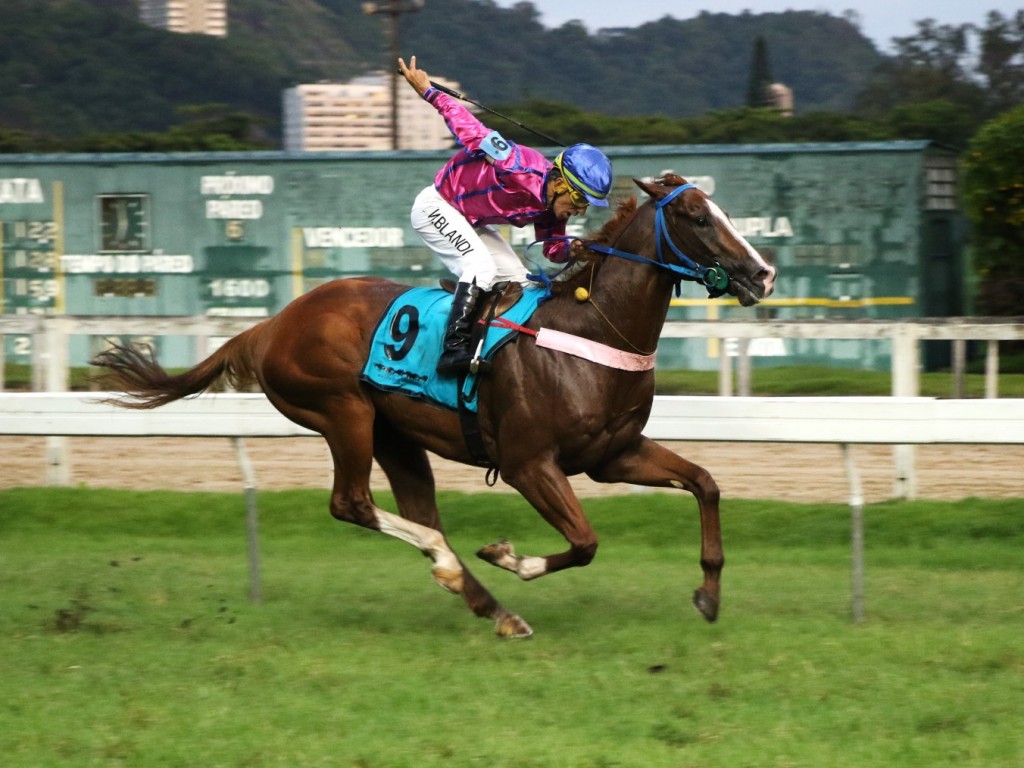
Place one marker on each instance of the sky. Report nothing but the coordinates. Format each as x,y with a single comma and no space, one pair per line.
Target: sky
880,20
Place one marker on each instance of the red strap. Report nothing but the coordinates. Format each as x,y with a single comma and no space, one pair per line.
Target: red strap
501,322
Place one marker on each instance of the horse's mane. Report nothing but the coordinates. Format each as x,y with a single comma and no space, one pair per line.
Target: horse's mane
588,262
623,214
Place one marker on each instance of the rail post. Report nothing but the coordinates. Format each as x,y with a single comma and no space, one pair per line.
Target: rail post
906,363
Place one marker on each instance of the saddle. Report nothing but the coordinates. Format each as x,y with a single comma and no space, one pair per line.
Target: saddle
496,301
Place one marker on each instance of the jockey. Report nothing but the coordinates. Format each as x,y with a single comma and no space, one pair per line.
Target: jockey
493,180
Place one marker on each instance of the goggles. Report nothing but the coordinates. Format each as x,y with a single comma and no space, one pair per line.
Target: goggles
577,198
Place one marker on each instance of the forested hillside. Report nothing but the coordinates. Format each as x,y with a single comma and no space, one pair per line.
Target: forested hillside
75,67
669,67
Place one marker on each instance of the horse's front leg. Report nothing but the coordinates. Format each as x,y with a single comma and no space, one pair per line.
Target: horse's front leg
651,464
545,486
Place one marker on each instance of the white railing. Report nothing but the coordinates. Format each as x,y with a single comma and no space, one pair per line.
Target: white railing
50,335
876,420
905,335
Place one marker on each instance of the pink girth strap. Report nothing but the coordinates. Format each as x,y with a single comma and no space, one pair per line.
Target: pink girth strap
593,351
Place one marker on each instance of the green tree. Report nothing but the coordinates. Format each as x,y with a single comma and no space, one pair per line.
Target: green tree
759,84
932,65
1001,60
993,184
941,120
832,126
216,127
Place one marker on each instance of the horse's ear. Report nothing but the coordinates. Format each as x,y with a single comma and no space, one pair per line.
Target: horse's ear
658,188
654,190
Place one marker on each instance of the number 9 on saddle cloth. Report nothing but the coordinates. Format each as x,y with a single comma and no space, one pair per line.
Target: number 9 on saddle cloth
407,345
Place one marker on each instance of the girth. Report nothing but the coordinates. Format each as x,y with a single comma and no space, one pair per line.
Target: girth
494,303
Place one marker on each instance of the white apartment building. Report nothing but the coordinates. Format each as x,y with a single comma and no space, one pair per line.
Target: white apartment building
207,17
356,116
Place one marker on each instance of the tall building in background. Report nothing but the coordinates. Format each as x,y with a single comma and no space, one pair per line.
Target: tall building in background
206,17
356,116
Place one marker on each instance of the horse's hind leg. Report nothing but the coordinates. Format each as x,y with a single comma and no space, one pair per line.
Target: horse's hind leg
352,502
412,481
654,465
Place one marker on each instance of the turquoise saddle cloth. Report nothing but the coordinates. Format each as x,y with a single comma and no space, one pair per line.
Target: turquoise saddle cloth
407,345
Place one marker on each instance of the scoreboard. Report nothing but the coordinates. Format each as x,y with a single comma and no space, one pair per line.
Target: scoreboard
30,265
857,230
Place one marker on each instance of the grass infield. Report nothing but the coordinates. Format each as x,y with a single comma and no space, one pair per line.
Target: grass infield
126,638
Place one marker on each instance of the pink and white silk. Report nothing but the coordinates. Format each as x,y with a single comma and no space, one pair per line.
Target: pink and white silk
487,190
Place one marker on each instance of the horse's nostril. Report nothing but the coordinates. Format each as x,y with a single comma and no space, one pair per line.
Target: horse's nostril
766,277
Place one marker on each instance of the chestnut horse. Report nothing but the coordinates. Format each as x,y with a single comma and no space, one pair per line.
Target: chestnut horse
543,415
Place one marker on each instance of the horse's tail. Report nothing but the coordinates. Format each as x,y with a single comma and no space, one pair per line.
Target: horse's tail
145,384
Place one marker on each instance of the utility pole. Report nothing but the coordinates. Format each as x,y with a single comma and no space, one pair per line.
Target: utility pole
393,9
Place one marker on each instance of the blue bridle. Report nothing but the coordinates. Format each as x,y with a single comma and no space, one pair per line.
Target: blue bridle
714,279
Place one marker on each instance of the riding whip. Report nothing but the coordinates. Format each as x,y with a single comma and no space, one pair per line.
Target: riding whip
463,97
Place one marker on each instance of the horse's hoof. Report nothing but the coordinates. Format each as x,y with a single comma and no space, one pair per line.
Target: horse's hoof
500,553
448,579
512,626
706,604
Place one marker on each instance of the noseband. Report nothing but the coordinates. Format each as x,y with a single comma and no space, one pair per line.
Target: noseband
714,278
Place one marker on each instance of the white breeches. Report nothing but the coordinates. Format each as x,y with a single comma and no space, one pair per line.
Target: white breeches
470,253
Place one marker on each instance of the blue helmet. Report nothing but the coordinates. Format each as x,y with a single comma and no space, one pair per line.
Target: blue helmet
588,171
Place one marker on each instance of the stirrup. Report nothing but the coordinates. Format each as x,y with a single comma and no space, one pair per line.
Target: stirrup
455,361
477,363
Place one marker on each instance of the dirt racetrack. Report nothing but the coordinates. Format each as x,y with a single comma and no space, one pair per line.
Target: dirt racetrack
743,470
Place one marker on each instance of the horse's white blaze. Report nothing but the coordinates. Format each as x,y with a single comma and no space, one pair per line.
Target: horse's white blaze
725,222
420,536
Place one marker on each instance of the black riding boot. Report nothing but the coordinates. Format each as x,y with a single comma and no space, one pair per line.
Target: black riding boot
458,352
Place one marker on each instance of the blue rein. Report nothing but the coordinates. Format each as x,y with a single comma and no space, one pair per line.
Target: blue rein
714,279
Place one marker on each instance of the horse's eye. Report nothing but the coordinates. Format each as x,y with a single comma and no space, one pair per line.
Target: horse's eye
702,221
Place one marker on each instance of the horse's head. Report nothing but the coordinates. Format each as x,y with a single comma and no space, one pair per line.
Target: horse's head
692,225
